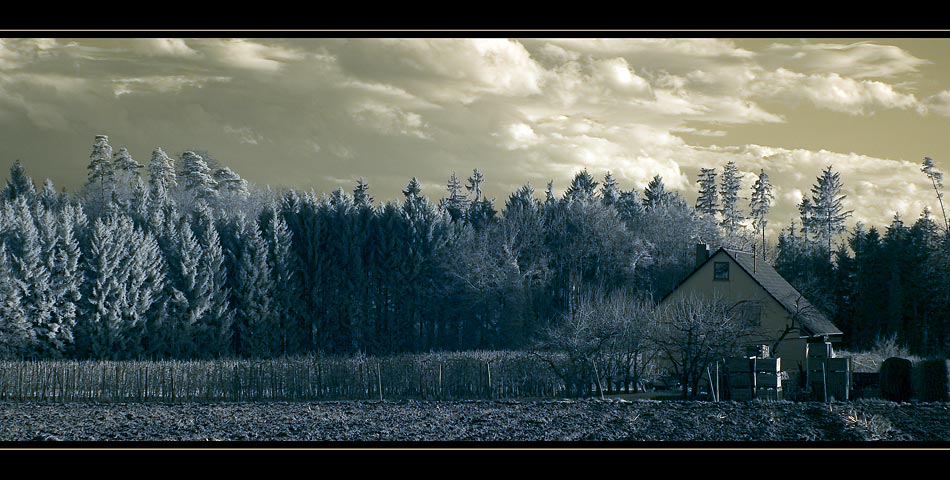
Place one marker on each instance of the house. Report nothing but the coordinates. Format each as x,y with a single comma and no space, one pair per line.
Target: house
786,320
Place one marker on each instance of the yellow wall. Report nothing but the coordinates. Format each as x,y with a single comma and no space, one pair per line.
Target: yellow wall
740,287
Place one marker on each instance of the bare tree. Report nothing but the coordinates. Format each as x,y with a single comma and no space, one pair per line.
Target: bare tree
602,340
694,332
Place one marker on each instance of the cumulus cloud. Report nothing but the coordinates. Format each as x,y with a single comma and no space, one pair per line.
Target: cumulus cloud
832,92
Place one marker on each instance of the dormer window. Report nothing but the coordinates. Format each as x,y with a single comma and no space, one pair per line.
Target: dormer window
721,271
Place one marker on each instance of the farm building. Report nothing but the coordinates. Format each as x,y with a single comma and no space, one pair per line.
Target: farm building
786,320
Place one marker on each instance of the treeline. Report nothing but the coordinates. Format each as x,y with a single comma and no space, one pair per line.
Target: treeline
189,261
182,258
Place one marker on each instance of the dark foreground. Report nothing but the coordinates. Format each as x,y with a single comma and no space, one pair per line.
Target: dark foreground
409,421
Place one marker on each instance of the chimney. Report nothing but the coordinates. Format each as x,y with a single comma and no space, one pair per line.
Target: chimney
702,253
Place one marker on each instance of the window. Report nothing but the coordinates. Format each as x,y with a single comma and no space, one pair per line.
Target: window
749,311
721,271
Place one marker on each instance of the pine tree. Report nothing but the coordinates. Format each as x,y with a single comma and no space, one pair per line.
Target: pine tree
99,185
126,168
609,192
936,179
125,273
707,203
474,184
196,176
19,184
66,281
230,183
361,196
255,328
161,178
30,266
655,193
16,335
729,192
49,198
806,217
285,278
629,206
456,203
582,188
828,214
214,332
760,204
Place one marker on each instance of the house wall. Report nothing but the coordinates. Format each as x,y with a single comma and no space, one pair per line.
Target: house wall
740,287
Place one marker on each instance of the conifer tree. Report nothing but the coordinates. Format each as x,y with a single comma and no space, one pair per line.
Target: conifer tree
19,184
456,203
609,193
828,213
16,334
582,188
936,179
707,203
196,177
655,193
99,184
729,192
760,204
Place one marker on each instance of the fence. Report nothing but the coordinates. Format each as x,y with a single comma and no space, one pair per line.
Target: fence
449,376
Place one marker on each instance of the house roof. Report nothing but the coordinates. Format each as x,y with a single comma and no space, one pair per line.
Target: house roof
812,321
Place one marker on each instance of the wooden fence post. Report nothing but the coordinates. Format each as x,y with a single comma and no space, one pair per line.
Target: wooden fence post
379,382
489,378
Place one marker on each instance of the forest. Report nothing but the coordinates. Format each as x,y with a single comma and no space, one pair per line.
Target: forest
181,258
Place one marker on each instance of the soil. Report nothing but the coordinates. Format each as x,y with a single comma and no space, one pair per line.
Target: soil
473,422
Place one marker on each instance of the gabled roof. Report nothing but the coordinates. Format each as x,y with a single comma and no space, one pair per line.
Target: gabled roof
812,321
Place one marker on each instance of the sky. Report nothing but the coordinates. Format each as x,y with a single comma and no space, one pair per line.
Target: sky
321,112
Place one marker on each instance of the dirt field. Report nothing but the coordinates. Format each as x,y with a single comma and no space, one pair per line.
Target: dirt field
475,422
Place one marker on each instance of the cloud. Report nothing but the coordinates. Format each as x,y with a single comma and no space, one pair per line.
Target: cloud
163,47
857,60
938,104
249,55
244,134
389,120
160,84
832,92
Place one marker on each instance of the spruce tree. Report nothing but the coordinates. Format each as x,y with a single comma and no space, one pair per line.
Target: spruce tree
582,188
655,193
456,203
729,192
707,203
16,335
214,333
827,210
99,184
19,184
609,193
760,204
